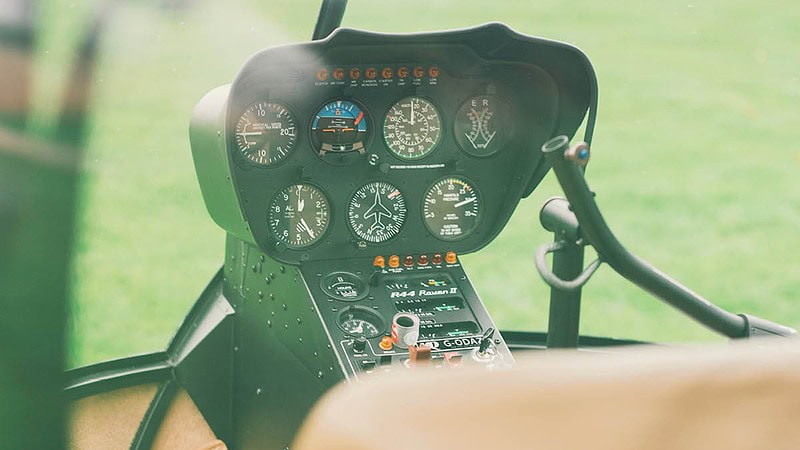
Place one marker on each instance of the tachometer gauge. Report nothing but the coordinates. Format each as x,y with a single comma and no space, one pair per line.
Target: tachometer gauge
377,212
412,128
451,208
359,321
482,125
299,215
340,126
266,133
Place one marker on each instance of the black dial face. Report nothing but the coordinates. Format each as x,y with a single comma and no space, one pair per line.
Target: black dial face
266,133
412,128
482,125
299,215
377,212
451,208
359,321
340,126
344,286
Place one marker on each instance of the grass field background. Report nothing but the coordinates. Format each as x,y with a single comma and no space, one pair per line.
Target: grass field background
695,156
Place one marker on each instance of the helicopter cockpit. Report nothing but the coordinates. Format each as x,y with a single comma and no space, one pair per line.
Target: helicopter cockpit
350,175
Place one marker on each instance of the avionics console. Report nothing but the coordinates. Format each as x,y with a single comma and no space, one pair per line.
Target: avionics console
349,174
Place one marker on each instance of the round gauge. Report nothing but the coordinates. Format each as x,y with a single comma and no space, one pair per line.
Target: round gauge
299,215
340,126
451,208
266,133
360,321
344,286
377,211
412,128
481,126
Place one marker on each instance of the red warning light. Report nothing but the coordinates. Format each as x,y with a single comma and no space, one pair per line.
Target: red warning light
355,73
433,71
322,74
419,72
402,72
386,73
338,74
371,73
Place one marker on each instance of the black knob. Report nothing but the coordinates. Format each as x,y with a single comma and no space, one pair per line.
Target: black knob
486,340
360,344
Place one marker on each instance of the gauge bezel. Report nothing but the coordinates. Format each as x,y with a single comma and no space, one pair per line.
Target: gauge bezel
341,158
242,160
478,219
365,286
439,138
350,224
509,124
277,242
369,312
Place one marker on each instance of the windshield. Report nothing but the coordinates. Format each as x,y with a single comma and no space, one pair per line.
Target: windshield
693,164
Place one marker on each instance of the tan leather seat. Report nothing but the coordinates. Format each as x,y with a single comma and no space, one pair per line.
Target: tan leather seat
109,421
742,396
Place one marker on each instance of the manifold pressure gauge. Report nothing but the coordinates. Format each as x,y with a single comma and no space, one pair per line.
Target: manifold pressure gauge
377,212
451,208
412,128
299,215
266,133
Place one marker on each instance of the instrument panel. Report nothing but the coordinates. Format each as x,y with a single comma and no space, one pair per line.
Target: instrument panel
362,142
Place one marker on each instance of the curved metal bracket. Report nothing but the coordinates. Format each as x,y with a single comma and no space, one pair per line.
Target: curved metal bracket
552,279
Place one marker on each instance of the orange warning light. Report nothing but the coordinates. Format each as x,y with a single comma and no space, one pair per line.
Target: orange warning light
394,261
338,73
379,262
450,257
386,343
322,74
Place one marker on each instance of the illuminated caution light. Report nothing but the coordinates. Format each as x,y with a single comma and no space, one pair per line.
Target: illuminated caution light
450,257
379,262
394,261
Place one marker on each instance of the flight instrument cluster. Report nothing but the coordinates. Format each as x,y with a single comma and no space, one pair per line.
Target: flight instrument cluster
363,143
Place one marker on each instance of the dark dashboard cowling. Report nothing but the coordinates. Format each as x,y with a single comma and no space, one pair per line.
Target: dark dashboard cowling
545,88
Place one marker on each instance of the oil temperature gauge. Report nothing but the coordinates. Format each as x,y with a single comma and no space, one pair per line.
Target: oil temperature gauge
344,286
360,321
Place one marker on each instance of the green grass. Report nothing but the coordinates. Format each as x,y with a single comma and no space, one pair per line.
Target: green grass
695,157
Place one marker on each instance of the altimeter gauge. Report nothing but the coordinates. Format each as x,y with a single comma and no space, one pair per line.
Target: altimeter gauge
266,133
451,208
377,211
299,215
482,125
412,128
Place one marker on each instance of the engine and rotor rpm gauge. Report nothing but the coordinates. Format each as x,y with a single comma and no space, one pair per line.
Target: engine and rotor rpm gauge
360,321
482,124
266,133
451,208
340,126
412,128
299,215
377,212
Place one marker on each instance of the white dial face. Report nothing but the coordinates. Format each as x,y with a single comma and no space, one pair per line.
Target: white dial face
412,128
377,212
